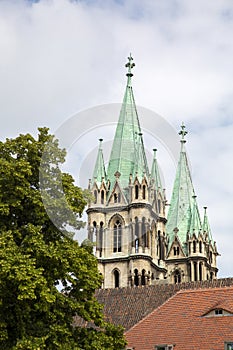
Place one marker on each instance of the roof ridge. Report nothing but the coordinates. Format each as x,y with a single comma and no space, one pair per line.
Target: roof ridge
206,289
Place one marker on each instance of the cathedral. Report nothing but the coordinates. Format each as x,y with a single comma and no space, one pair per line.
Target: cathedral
136,242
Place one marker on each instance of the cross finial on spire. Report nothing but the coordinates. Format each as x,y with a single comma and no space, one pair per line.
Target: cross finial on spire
129,65
183,132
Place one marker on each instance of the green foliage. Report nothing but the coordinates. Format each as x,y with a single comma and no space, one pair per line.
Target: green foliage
37,254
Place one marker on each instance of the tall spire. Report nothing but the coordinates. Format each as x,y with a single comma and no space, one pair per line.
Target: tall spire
127,141
155,174
180,210
99,171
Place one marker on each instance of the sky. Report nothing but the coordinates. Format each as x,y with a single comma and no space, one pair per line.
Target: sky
62,66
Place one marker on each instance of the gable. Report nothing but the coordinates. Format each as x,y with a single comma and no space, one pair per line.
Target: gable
117,196
176,250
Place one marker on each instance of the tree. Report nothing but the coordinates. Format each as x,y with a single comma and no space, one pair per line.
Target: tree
37,254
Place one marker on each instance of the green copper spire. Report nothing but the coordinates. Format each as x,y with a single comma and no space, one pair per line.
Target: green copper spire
180,210
206,225
99,171
155,174
127,154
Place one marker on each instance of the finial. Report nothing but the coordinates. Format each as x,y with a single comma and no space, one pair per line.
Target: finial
100,142
154,150
183,132
129,65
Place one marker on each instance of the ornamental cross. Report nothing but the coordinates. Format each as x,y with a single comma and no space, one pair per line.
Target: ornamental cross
183,132
130,65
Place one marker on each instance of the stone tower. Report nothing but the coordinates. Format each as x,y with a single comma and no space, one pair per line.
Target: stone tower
126,218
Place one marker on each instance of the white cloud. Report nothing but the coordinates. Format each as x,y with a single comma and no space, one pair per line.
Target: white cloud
59,57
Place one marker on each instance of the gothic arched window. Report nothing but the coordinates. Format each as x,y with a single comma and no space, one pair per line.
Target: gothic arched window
136,278
195,271
136,191
200,271
95,196
144,233
102,197
194,246
144,192
200,247
136,235
115,198
143,278
101,230
116,278
117,237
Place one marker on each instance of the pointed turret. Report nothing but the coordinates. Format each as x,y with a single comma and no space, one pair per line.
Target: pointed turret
155,173
127,145
99,172
195,223
206,226
180,210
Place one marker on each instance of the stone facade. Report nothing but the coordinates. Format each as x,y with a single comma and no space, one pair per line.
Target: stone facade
136,244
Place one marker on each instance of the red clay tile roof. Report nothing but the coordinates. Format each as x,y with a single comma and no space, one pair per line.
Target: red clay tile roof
127,306
180,321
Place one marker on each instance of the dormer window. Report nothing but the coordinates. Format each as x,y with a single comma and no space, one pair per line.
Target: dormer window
163,347
218,311
136,191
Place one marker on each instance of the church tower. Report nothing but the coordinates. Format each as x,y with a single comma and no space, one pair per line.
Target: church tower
126,217
191,251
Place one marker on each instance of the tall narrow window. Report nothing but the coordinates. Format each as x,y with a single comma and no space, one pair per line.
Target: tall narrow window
136,235
136,191
116,279
200,247
194,246
195,271
144,192
115,198
136,278
144,233
200,271
102,197
95,196
117,237
101,237
143,277
119,197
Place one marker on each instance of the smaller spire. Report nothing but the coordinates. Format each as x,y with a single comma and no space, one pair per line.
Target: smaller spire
183,133
99,171
195,224
155,174
206,225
